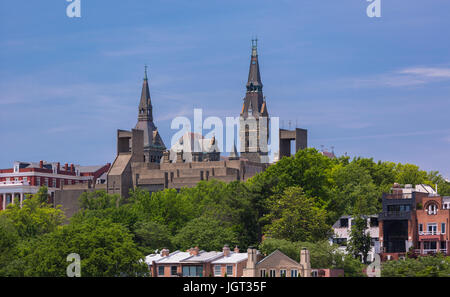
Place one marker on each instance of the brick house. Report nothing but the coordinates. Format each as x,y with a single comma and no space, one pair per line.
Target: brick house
414,220
196,263
27,177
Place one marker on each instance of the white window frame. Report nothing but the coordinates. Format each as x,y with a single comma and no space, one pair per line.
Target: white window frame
294,272
283,271
433,227
229,266
272,273
443,228
215,270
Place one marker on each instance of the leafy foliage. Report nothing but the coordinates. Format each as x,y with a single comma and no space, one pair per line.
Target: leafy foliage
427,266
295,217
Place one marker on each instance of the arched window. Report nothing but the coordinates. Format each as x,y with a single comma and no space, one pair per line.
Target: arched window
432,209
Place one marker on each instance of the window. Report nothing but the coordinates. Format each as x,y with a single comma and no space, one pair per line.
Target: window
420,229
373,222
262,273
432,228
283,272
160,270
193,271
272,272
314,273
25,179
432,209
343,222
217,270
46,182
442,228
294,273
54,182
173,270
38,181
229,270
340,241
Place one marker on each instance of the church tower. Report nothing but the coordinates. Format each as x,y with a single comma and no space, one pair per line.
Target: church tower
254,117
153,144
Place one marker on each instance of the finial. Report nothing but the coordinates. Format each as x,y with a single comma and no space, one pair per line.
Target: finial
255,42
145,71
254,46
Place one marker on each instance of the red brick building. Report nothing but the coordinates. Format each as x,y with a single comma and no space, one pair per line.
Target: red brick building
414,220
26,178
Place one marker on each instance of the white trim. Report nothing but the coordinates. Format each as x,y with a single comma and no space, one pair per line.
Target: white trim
34,173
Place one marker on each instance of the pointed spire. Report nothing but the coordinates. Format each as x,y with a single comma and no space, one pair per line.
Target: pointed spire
145,104
254,83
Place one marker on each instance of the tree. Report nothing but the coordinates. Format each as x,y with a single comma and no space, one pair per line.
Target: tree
9,239
99,199
410,174
42,195
352,183
150,236
105,249
427,266
307,169
360,241
295,217
205,233
34,217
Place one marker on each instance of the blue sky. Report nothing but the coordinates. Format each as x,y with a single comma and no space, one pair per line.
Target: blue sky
369,87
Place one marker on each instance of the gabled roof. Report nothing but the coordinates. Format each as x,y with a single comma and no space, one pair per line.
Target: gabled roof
278,252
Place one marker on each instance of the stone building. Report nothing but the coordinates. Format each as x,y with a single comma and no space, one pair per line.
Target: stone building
254,117
277,264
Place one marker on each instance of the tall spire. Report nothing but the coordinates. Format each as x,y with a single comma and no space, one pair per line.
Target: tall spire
145,104
253,101
254,83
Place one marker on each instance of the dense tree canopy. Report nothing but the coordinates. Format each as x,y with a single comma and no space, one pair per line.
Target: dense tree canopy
292,204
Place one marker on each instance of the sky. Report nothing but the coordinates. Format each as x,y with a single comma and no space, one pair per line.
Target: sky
370,87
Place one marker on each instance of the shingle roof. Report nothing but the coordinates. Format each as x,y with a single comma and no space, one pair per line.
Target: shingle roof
232,258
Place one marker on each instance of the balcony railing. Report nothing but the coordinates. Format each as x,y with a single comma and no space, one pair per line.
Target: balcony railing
430,251
395,214
429,232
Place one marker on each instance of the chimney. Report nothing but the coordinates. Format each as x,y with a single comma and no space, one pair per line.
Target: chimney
251,260
226,250
41,164
305,261
165,252
66,167
193,251
236,250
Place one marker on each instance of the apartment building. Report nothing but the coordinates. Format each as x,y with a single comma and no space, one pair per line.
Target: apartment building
342,230
413,220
